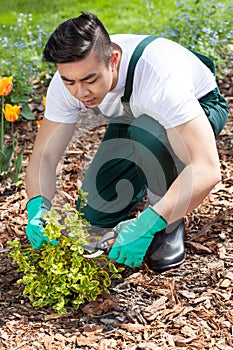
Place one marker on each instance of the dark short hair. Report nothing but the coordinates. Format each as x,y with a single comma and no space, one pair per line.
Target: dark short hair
74,39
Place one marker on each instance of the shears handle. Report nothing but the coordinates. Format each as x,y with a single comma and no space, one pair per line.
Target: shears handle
107,241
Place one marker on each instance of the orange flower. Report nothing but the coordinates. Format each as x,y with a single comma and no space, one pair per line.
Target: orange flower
6,86
38,122
11,112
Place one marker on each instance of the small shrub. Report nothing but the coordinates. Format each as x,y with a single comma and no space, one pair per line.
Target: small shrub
60,275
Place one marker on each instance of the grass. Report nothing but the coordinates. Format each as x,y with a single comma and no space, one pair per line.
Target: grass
117,15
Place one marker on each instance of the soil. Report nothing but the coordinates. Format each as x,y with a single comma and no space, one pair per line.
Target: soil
189,307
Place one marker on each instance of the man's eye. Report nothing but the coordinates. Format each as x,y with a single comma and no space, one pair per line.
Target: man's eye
91,81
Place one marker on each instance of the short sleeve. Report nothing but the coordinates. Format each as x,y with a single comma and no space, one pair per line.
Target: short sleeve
61,106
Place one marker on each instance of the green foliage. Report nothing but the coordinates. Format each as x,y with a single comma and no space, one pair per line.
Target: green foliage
11,160
10,155
60,275
21,58
204,26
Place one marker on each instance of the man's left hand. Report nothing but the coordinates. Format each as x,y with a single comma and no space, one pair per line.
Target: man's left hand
135,236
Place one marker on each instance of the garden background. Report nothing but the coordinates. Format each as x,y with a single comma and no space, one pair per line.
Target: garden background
186,308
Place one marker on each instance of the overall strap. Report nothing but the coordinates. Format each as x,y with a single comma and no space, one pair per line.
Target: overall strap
132,64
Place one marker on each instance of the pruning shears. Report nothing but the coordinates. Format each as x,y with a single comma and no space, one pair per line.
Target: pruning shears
103,246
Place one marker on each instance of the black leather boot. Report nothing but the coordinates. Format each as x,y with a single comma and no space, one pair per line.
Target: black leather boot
167,248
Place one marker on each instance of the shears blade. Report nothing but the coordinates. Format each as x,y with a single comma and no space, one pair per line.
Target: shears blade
103,246
94,255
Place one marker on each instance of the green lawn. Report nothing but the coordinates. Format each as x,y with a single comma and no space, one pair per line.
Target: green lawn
118,15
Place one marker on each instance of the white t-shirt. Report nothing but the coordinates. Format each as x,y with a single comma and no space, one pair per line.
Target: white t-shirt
168,82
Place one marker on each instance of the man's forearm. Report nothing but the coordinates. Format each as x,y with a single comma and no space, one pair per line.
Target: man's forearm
187,192
194,143
50,144
41,179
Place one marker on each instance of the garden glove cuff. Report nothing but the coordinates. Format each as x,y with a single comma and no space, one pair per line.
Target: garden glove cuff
135,236
37,208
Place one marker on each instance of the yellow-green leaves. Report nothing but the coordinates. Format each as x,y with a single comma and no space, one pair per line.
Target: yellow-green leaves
58,275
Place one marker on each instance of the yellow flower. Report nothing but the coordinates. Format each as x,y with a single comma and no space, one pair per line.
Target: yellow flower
6,86
44,101
11,112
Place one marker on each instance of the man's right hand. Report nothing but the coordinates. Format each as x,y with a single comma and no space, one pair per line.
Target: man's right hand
37,208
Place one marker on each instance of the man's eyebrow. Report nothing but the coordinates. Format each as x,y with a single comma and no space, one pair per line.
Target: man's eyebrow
66,79
88,76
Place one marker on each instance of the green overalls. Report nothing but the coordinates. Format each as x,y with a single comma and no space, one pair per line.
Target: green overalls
135,154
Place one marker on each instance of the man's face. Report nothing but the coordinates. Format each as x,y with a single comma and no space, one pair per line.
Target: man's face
88,80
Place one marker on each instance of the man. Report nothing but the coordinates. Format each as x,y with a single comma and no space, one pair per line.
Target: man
164,142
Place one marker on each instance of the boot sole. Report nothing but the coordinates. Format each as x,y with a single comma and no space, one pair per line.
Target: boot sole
167,267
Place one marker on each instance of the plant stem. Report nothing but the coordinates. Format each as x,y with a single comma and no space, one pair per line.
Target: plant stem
2,125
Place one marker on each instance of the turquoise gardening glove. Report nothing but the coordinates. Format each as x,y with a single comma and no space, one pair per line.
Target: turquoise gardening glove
37,208
135,236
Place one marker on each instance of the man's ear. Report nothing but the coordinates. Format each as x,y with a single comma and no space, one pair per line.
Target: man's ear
114,59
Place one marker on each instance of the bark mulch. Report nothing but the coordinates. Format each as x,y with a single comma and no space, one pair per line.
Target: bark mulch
189,307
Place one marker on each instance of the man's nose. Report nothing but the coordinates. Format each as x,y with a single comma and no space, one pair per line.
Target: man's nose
81,91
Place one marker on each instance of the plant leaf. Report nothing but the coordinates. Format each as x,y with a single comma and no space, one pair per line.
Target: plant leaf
27,113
